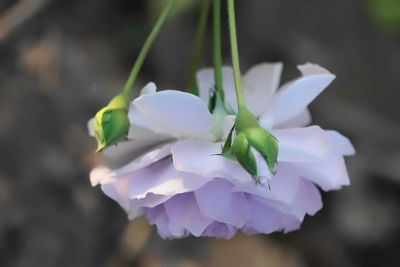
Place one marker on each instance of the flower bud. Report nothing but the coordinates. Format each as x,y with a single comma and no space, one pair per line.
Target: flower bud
112,122
249,137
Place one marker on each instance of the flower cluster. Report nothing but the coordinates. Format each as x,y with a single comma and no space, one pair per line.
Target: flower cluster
170,169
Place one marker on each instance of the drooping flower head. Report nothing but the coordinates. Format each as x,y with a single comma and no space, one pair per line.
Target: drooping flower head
169,170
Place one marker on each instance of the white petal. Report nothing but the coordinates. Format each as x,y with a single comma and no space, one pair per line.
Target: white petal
100,174
303,144
294,97
201,158
90,126
118,190
125,152
141,126
330,174
283,186
341,143
302,120
146,160
182,115
259,85
206,84
312,69
150,88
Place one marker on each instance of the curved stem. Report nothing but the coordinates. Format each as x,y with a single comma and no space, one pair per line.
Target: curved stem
198,47
217,49
235,55
146,47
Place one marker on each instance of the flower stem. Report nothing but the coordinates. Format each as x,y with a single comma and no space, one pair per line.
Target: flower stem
198,47
217,49
146,47
235,56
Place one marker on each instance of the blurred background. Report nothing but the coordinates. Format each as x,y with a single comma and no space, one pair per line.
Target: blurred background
60,61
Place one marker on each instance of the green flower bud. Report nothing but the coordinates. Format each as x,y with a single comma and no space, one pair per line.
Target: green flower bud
265,143
242,150
112,122
249,136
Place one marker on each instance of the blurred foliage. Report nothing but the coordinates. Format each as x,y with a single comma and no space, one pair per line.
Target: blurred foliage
386,12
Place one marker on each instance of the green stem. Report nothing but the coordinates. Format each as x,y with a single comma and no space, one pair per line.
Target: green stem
198,47
235,55
217,49
146,47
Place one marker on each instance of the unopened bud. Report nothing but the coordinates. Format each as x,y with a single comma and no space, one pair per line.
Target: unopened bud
112,122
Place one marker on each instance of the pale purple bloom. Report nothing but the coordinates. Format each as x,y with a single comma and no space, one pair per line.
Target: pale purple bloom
169,172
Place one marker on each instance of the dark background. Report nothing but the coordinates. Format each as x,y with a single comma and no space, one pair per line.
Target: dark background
60,61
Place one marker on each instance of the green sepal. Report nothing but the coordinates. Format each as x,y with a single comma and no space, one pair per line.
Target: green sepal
265,143
227,148
112,123
244,155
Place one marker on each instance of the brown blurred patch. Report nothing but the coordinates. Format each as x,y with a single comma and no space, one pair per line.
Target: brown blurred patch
5,191
42,59
250,251
134,237
151,260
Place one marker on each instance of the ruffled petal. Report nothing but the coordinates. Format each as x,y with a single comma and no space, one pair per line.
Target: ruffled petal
220,230
219,203
264,219
184,215
161,178
131,150
294,97
137,206
307,201
144,161
179,114
157,216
